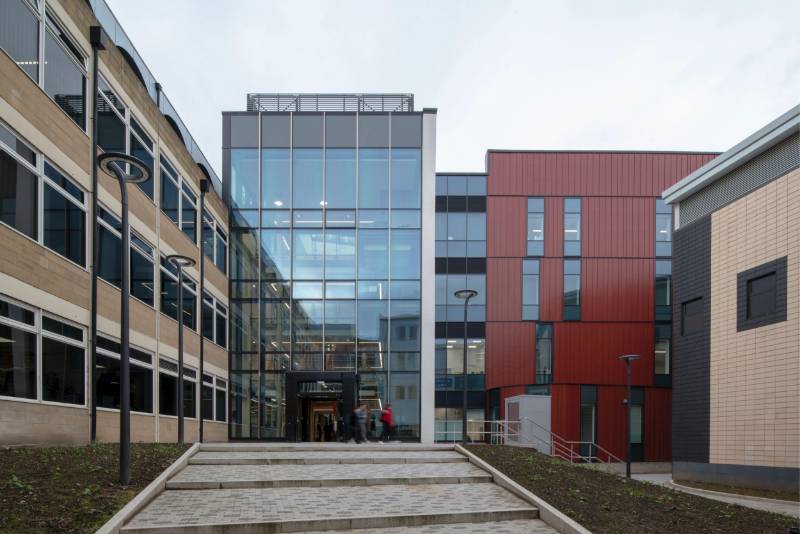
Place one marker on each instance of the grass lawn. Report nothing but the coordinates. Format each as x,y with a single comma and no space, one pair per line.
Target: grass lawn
603,502
72,489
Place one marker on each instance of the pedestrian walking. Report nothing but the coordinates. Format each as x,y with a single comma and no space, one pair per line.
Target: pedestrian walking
387,418
361,423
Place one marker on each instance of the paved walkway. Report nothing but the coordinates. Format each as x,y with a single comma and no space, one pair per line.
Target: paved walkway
758,503
335,488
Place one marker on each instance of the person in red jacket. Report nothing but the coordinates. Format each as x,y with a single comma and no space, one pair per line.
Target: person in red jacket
387,418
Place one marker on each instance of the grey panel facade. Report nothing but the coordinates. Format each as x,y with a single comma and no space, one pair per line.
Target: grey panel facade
307,131
373,131
691,274
243,131
749,476
340,131
276,130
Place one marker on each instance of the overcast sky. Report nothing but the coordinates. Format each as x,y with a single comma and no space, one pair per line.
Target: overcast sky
517,75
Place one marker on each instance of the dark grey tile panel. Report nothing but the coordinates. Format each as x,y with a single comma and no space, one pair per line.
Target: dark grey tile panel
244,131
748,476
778,267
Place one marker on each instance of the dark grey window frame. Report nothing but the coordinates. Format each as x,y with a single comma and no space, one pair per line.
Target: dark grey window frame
778,267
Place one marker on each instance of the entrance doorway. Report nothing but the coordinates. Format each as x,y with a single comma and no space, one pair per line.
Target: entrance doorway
318,405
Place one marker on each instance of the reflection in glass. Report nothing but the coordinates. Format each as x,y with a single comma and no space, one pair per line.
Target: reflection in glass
405,254
244,326
340,254
244,405
406,178
273,406
373,178
244,177
64,81
63,224
405,404
340,325
244,255
307,321
373,253
373,219
373,325
308,254
340,178
275,321
307,178
275,178
276,254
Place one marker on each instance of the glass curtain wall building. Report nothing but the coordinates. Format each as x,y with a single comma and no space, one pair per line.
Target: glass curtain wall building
329,205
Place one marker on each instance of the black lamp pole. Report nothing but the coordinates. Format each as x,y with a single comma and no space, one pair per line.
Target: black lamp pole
628,358
179,262
204,186
465,295
113,164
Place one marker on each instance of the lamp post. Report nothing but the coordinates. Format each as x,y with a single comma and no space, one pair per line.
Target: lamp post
628,358
204,186
113,164
179,262
465,295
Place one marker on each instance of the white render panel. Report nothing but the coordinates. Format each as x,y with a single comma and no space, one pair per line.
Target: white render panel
428,318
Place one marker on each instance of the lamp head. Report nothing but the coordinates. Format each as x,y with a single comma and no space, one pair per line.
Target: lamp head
465,294
113,164
179,262
627,358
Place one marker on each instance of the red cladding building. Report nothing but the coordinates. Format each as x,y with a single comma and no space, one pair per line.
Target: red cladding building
578,272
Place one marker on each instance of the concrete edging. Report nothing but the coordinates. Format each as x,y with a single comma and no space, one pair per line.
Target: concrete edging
698,491
113,525
547,513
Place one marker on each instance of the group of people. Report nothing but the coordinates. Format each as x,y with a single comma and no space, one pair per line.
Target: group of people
359,421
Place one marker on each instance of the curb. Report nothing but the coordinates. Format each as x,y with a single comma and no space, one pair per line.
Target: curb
690,489
547,513
113,525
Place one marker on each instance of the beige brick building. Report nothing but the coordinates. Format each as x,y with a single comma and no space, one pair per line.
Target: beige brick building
736,400
46,267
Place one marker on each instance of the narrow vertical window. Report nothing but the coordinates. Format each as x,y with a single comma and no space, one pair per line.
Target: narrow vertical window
530,290
535,227
663,290
691,316
572,227
661,356
663,228
544,353
572,290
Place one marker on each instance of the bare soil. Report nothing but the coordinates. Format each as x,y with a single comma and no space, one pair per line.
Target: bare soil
750,492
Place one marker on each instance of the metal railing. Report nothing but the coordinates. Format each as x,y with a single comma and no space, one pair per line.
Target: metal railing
318,102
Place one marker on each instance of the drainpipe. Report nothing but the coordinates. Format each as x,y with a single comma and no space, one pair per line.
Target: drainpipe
99,40
204,186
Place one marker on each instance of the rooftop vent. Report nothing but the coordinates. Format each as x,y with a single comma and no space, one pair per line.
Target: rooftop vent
284,102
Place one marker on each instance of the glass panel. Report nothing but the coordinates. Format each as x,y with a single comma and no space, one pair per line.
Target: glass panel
276,254
189,404
456,226
244,255
139,151
457,185
535,226
572,205
16,313
405,259
340,325
207,320
636,424
572,290
373,289
167,394
244,177
63,226
373,325
62,372
275,323
373,253
141,277
406,177
275,178
19,35
307,322
340,178
244,326
406,219
307,218
572,227
662,357
108,385
663,227
405,326
189,218
373,178
244,405
405,290
476,185
340,290
307,290
17,145
308,254
109,251
373,219
307,361
64,81
170,199
476,226
340,219
18,196
221,411
273,407
340,254
207,402
307,178
17,363
587,422
535,205
276,219
405,403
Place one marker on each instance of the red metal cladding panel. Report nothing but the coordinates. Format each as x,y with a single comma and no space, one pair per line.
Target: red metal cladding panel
506,393
506,226
510,357
658,424
589,173
588,353
617,227
565,403
504,289
617,289
553,226
611,420
551,284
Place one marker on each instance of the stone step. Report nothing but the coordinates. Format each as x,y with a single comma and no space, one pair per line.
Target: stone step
360,456
327,508
299,475
307,447
517,526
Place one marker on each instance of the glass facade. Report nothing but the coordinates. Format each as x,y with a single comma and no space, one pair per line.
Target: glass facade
325,270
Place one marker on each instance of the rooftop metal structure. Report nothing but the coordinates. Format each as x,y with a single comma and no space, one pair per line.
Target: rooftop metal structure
318,102
114,30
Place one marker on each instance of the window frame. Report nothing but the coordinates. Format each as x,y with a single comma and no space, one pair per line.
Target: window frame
133,361
779,269
38,330
219,236
182,185
529,229
186,370
215,305
186,281
538,277
216,384
41,180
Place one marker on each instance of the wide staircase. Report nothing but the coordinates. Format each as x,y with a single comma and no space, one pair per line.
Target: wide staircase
396,488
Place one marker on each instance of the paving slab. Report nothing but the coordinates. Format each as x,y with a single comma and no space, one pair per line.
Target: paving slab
289,475
309,509
327,456
519,526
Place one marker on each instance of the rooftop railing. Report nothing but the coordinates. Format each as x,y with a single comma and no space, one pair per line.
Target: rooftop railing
114,30
354,102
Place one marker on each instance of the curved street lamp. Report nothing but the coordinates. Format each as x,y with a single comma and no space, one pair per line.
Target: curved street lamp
114,164
628,358
180,262
465,295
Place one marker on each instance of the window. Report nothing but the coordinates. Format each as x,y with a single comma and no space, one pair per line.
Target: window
244,178
141,146
65,72
406,178
572,227
662,348
64,217
530,290
215,319
19,184
373,178
761,296
178,200
275,178
307,185
405,254
169,295
572,290
215,242
213,403
535,227
663,228
168,389
637,424
692,316
663,290
109,251
108,373
61,357
544,353
221,398
19,35
340,178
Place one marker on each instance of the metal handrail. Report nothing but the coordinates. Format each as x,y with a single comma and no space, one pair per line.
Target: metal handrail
570,443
